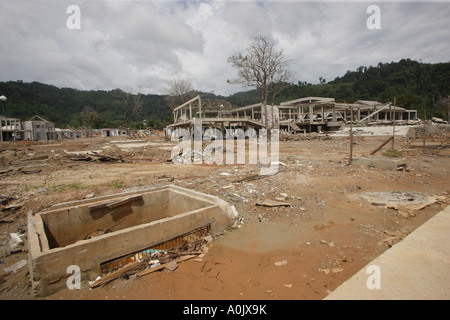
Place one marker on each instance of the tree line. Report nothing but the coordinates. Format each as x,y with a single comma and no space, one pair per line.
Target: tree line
94,108
413,85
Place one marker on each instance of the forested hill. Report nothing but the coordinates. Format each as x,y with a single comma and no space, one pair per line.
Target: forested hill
415,85
64,105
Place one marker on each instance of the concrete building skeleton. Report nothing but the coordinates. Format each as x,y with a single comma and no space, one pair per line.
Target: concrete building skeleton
38,128
10,129
34,129
309,114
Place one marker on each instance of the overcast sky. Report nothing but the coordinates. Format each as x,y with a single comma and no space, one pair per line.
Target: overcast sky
141,45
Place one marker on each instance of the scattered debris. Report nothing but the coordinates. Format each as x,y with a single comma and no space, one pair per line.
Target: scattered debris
16,251
250,177
392,238
96,234
305,171
332,270
90,195
235,213
238,223
156,260
114,275
406,203
92,156
15,241
150,270
281,197
281,263
272,203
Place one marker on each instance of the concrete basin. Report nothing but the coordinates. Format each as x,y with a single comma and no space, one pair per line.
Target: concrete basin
90,232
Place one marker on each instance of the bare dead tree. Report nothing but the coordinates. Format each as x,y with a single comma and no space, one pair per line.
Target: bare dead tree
89,117
443,105
131,103
264,68
178,92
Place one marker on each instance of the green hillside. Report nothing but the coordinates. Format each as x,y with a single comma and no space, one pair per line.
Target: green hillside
415,85
64,105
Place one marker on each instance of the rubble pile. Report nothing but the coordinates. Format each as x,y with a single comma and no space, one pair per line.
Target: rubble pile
152,260
309,136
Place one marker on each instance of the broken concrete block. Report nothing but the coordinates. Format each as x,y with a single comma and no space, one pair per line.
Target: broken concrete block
90,195
235,213
15,241
281,263
272,203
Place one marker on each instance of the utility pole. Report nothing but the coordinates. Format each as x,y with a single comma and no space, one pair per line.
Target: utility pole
393,128
3,99
424,129
448,109
351,134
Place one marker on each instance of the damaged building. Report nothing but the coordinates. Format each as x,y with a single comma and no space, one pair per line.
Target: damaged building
38,129
10,129
309,114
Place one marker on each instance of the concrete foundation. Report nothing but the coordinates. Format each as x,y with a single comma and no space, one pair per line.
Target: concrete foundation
90,232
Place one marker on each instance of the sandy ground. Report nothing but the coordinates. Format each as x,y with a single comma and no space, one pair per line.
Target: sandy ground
303,251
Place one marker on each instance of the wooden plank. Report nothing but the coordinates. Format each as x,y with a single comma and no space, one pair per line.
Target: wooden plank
374,113
99,205
381,146
123,201
114,275
272,203
111,204
148,271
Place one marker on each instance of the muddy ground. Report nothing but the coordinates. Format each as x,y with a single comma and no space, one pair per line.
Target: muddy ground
301,251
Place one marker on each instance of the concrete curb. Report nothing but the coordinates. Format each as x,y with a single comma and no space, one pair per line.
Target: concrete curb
417,268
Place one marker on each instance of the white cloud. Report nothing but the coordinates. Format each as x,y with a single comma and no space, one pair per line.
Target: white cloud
144,44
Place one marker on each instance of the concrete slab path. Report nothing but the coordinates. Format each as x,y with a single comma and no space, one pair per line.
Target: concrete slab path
417,268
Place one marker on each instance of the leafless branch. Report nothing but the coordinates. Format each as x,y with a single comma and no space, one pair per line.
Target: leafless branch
263,68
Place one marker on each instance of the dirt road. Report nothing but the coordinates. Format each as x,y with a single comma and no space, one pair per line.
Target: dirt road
301,251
